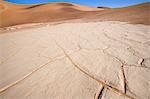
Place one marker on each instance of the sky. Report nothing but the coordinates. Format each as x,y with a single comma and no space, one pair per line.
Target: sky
93,3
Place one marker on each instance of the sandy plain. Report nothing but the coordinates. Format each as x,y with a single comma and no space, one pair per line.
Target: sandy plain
94,60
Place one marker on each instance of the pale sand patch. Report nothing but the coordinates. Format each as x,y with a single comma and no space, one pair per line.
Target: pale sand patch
76,61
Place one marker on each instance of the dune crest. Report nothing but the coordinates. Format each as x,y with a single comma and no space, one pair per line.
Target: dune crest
60,11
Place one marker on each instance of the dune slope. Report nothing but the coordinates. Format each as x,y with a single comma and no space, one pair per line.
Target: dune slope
13,14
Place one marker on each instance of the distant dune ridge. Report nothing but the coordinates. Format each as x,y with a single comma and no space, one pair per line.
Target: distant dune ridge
14,14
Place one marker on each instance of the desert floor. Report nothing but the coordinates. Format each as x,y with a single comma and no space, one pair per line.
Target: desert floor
93,60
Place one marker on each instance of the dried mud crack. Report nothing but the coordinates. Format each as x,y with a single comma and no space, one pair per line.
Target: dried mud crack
26,76
94,60
99,93
92,76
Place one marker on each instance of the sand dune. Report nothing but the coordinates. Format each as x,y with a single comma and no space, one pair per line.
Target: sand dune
13,14
21,14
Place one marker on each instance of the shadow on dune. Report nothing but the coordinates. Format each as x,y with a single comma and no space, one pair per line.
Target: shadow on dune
52,12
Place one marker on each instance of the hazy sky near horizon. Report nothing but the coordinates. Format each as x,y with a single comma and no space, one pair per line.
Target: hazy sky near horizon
94,3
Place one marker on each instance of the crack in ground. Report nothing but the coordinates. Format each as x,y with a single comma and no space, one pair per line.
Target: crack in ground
93,49
12,55
99,94
124,84
140,64
29,74
131,40
137,66
130,49
123,79
92,76
135,53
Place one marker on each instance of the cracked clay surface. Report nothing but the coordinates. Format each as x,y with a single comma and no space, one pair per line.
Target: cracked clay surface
96,60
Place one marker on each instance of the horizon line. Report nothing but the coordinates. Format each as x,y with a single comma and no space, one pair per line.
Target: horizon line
72,3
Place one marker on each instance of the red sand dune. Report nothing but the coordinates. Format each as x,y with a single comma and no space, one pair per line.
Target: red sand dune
13,14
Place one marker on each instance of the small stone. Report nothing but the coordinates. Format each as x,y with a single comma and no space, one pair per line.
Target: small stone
140,61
